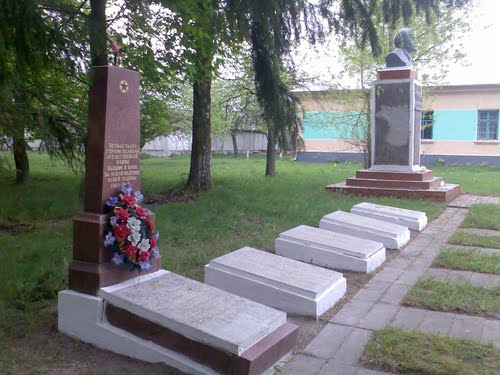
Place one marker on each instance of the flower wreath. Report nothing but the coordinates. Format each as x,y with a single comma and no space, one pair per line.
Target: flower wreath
130,234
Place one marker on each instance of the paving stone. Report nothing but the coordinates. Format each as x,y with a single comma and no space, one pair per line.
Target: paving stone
328,341
352,348
436,322
365,371
408,318
484,279
408,278
437,273
302,364
401,263
491,332
352,312
389,274
459,276
378,316
481,250
372,291
334,367
469,327
481,232
395,294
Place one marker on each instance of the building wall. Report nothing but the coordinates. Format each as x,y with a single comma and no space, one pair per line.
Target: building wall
454,127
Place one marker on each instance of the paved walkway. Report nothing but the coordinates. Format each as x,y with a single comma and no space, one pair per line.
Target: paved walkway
338,347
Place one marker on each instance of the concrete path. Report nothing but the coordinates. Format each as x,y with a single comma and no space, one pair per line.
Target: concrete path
481,232
338,347
482,250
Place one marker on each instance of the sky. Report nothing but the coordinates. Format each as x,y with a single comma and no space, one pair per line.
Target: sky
481,46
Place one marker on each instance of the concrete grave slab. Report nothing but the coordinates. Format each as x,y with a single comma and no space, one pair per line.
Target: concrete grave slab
279,282
330,249
195,310
393,236
414,220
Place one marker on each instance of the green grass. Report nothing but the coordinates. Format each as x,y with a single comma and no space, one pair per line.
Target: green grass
486,216
397,351
469,260
469,239
480,180
429,293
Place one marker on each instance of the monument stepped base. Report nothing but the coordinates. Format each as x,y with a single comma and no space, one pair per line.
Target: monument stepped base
285,284
164,317
398,184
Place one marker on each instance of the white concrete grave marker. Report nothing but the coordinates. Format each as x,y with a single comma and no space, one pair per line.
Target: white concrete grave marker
329,249
393,236
415,220
282,283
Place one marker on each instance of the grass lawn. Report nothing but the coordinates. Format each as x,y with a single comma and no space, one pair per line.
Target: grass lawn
243,209
480,180
486,216
469,260
429,293
397,351
469,239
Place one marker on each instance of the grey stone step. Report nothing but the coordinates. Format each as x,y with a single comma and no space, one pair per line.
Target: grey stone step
481,250
414,220
282,283
481,232
197,311
392,236
330,249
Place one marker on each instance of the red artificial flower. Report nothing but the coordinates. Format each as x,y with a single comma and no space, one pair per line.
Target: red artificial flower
121,231
150,225
124,215
130,251
127,199
152,241
143,256
141,212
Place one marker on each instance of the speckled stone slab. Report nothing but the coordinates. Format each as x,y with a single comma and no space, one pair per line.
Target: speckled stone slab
414,220
286,284
393,236
197,311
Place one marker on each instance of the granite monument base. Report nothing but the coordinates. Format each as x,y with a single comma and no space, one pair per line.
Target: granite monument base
392,236
398,184
331,250
164,317
285,284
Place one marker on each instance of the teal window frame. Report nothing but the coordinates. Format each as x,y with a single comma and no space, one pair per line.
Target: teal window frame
426,124
487,125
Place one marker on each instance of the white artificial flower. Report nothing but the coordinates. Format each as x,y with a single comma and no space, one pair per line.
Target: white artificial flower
143,245
134,237
133,224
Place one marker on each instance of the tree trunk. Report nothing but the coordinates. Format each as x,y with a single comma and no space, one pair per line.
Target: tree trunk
20,157
368,144
271,154
235,143
97,32
200,176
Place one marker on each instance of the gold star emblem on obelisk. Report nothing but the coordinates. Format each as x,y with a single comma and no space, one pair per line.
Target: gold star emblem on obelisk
123,86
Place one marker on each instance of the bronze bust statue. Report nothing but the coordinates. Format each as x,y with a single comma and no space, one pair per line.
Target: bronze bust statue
404,42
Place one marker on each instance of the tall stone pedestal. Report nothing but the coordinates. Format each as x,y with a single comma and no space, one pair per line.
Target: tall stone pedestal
395,170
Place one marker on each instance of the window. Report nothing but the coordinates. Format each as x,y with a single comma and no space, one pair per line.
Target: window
427,121
487,125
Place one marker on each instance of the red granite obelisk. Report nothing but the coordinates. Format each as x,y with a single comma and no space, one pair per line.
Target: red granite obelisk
112,160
